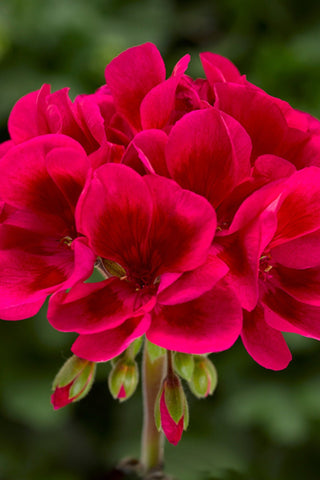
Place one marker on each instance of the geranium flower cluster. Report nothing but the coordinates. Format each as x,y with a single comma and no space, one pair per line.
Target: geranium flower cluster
199,201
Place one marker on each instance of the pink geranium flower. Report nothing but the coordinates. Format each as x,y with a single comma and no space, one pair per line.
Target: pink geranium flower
40,249
160,235
272,250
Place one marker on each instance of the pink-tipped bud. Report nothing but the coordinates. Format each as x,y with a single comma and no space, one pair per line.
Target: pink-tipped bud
123,379
171,409
72,382
204,378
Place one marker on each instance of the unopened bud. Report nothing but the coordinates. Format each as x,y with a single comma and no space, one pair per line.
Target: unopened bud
171,409
183,365
72,382
123,379
204,378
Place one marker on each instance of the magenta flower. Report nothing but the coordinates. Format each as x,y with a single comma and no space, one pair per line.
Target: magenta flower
176,188
166,270
276,268
40,249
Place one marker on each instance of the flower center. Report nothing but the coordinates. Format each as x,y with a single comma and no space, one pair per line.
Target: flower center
143,281
66,241
265,266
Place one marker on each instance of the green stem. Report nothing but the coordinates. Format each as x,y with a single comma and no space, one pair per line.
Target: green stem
152,445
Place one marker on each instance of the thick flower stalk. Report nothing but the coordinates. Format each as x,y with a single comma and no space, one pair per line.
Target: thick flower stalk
198,201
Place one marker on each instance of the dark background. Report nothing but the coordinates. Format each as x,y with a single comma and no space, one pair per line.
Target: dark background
259,425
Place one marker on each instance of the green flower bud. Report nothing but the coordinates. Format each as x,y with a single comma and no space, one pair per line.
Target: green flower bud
73,381
204,378
123,379
183,365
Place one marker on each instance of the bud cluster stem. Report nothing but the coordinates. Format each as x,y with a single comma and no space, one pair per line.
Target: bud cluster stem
152,445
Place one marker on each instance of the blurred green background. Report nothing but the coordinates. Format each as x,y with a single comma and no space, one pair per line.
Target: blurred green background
260,425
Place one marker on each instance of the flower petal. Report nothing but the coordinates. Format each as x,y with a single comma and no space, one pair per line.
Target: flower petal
93,307
287,314
158,104
218,68
299,207
257,112
68,169
265,344
241,251
180,241
201,156
115,212
191,285
23,122
102,346
131,75
210,323
303,285
152,143
25,182
302,252
32,271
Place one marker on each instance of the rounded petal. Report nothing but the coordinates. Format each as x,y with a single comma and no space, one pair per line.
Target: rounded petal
23,122
92,307
68,168
287,314
102,346
265,344
257,112
241,251
218,68
33,267
131,75
152,143
25,182
302,252
195,283
180,241
302,284
299,206
115,212
201,156
210,323
158,104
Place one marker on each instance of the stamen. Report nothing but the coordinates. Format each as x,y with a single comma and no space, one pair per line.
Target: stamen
66,241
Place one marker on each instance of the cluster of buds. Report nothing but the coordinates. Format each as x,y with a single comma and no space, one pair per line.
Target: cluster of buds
76,377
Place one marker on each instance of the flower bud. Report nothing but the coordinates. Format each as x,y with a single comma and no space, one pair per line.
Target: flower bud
123,379
183,365
72,382
204,378
171,409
